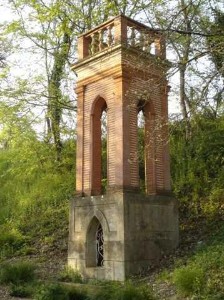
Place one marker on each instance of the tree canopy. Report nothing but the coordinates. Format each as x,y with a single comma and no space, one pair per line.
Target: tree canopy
38,104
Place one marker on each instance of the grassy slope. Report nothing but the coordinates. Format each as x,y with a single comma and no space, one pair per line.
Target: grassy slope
194,270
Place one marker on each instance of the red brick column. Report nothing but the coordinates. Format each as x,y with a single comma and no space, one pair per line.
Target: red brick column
120,30
80,139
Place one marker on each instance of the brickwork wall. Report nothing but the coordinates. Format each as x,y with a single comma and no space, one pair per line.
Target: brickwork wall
92,133
156,132
120,79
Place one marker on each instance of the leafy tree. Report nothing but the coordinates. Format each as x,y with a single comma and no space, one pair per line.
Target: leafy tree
36,172
216,41
198,166
188,26
52,28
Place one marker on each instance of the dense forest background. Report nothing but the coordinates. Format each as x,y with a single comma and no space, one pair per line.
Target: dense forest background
38,109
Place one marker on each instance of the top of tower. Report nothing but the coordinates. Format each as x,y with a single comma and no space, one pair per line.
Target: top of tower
121,30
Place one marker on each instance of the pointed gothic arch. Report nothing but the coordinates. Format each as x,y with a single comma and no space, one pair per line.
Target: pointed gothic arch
95,244
98,107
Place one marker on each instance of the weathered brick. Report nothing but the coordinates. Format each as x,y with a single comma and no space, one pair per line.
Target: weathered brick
116,80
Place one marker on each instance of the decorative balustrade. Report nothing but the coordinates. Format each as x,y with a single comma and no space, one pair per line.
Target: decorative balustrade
101,39
142,39
121,30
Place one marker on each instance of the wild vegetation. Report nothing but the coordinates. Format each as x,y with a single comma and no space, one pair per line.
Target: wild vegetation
37,142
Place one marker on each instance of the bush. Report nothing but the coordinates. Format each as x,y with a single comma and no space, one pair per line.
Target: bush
131,292
128,291
59,292
74,294
70,275
106,291
21,290
11,240
189,280
19,272
51,292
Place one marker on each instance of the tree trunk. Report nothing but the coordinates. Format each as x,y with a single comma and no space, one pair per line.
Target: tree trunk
55,100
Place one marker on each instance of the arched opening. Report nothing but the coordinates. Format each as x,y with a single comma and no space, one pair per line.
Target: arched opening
145,147
141,149
104,151
95,244
99,147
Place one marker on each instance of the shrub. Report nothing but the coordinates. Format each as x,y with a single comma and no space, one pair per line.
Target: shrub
11,241
70,275
189,280
74,294
131,292
51,292
106,291
19,272
21,290
59,292
128,291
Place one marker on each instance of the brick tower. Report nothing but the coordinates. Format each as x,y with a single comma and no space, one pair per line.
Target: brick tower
121,71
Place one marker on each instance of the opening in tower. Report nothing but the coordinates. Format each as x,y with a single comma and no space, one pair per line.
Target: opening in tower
99,147
104,151
95,244
141,150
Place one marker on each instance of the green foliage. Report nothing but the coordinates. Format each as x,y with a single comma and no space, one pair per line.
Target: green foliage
216,40
33,184
21,290
189,280
11,240
197,165
202,275
131,292
20,272
70,275
106,291
104,164
51,292
59,292
75,294
128,291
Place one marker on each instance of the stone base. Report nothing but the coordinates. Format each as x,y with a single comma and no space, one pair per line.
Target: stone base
137,231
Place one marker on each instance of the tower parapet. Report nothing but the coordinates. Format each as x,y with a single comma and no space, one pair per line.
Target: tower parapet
121,31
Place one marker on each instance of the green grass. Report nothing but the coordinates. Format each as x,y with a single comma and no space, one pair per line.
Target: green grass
22,290
17,273
202,275
57,291
127,291
20,277
189,280
103,291
70,275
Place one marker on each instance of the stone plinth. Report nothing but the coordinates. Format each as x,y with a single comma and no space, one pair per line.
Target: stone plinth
137,231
